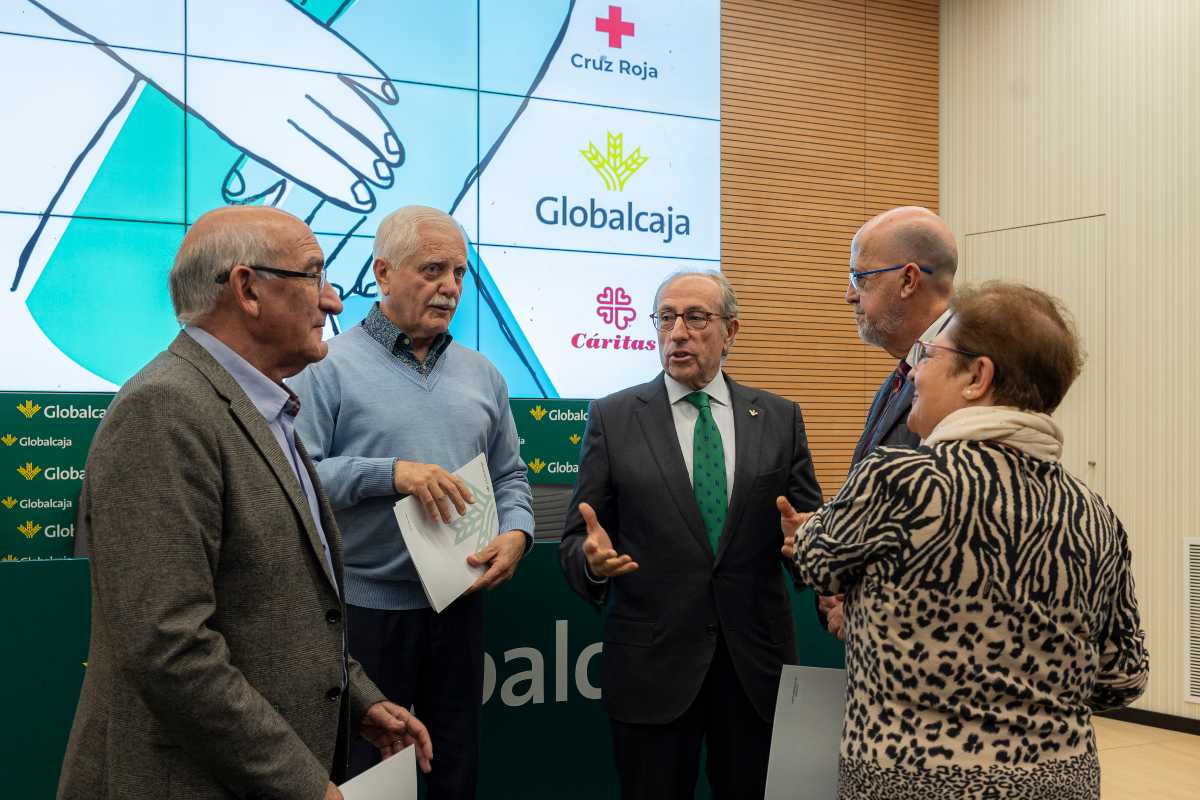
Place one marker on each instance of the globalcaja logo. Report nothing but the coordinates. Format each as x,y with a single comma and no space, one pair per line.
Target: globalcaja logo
29,471
616,31
537,412
57,442
29,408
29,529
613,165
574,438
615,307
10,557
476,523
537,465
8,439
9,502
615,168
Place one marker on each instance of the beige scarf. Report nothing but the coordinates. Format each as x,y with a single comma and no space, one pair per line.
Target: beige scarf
1030,432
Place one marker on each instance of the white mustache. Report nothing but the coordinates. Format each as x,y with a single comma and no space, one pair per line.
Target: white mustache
447,303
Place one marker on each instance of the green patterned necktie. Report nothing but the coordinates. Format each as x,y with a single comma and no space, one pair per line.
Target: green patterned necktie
708,470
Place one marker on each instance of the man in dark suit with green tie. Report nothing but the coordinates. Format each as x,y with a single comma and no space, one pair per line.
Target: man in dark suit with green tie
673,530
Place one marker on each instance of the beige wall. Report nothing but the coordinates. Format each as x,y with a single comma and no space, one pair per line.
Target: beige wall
1070,158
829,114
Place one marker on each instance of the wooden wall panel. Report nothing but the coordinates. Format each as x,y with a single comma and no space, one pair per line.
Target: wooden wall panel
829,115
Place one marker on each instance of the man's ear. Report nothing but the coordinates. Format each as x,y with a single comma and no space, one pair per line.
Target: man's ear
731,331
246,289
381,268
910,279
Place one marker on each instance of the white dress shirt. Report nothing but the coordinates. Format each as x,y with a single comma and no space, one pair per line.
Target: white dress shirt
685,415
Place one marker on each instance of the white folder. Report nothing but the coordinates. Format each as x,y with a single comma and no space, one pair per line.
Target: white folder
807,735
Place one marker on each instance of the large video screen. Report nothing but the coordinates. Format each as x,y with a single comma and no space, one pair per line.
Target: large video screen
577,142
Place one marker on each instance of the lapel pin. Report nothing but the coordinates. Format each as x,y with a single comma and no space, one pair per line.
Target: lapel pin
754,412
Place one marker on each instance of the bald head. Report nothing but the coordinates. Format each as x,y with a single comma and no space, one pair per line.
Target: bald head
909,234
218,240
909,257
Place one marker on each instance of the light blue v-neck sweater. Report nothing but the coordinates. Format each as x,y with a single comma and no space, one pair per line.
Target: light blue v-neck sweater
361,409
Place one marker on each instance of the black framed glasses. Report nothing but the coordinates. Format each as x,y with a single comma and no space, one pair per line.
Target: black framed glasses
694,320
318,276
923,348
856,276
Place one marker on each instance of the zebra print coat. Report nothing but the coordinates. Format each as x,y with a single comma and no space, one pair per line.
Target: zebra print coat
990,609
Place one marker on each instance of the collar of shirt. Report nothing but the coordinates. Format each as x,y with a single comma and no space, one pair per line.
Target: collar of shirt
267,396
398,343
931,332
717,389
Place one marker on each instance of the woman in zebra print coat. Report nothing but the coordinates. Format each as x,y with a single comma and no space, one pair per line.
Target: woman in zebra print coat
989,595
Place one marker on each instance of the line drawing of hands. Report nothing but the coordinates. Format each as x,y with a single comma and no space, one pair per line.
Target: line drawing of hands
322,129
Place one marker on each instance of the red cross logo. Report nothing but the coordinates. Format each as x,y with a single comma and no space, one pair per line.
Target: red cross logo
614,26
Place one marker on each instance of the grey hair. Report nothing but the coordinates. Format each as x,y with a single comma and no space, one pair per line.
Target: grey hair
729,303
398,236
206,252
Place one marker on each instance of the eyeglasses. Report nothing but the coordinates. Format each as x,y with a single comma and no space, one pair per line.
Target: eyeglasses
694,320
319,276
923,348
855,276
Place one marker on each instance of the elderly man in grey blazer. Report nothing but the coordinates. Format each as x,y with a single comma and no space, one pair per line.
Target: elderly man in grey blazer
218,664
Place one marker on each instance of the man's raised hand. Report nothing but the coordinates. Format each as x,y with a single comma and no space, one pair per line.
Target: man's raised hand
602,559
790,521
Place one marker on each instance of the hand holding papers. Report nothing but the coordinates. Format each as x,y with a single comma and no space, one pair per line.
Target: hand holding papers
439,550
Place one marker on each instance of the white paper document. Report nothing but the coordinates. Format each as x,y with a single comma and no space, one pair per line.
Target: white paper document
439,550
807,735
393,778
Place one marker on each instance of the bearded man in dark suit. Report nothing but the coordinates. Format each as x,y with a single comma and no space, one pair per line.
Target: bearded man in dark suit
902,265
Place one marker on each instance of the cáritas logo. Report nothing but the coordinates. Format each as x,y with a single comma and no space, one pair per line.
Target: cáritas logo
615,307
29,408
29,471
614,166
537,412
537,465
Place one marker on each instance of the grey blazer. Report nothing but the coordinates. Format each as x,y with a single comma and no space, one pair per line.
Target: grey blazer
217,663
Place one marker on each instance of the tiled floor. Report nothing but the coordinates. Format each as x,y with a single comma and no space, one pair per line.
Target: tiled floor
1140,762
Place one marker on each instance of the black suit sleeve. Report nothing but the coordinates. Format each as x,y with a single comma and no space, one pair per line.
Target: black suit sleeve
595,488
803,491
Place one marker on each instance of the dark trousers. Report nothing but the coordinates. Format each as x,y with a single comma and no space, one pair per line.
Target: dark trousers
662,762
433,664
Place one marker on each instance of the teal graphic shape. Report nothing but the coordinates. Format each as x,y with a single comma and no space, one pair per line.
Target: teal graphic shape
89,304
102,298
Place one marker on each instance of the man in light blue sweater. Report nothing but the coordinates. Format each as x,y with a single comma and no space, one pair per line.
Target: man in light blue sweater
392,411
